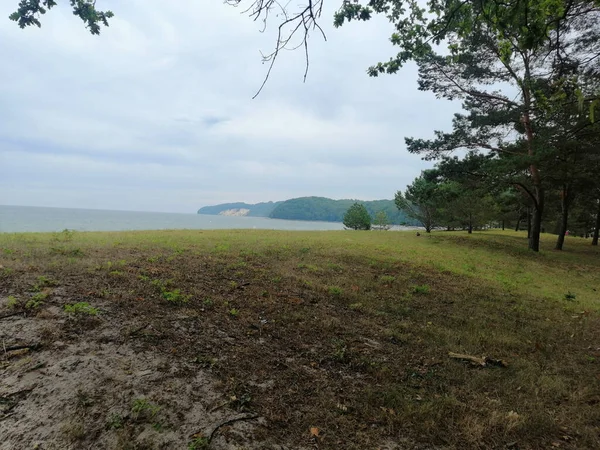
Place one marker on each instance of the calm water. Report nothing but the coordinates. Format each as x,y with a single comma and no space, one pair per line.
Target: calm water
26,218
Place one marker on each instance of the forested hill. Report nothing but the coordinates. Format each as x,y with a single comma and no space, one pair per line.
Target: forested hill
307,208
244,209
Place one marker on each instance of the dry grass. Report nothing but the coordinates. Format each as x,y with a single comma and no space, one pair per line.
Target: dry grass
349,331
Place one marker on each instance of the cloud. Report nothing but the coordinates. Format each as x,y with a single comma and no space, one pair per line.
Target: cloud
157,112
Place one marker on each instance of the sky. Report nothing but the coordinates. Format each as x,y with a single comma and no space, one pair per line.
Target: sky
156,113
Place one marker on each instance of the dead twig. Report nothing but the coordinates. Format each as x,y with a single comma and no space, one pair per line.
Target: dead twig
219,406
485,361
6,416
216,427
33,346
22,391
302,22
5,316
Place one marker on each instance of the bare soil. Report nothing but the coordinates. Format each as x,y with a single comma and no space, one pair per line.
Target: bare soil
276,347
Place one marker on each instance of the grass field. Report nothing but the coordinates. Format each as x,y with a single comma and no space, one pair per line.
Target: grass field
310,339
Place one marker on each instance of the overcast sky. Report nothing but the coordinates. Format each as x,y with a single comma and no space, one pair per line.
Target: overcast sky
157,113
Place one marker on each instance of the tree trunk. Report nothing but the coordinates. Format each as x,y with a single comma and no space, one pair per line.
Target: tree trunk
597,227
536,226
528,223
564,217
503,225
518,227
470,223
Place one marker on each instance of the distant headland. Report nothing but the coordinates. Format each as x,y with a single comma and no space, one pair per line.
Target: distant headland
307,208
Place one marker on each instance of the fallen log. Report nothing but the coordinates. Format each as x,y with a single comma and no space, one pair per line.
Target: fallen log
484,361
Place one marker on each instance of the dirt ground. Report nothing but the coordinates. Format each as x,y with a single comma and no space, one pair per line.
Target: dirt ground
280,347
65,394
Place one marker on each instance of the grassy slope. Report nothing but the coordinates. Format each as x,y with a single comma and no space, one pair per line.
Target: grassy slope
358,327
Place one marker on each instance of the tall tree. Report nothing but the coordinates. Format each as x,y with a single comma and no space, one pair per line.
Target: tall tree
496,54
357,217
422,200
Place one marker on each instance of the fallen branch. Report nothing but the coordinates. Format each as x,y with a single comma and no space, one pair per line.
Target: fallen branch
219,406
226,422
229,422
6,416
22,391
485,361
34,346
5,316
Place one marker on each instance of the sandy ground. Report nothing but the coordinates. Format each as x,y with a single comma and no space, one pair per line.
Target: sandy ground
74,393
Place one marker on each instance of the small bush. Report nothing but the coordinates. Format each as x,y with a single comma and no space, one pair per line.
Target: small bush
115,421
12,302
175,296
334,290
143,409
199,443
421,289
81,309
42,282
387,279
36,301
65,235
72,252
340,350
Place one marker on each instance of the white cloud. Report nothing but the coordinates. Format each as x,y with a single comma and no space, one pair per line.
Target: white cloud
156,113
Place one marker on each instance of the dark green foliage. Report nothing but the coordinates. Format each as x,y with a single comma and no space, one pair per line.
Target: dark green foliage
326,209
312,208
527,75
422,200
357,217
381,221
29,12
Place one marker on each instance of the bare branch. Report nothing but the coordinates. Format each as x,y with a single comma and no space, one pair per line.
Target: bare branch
301,23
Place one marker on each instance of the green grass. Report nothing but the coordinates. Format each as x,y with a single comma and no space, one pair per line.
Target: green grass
352,329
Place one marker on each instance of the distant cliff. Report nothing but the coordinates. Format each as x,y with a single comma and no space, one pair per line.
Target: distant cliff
240,209
307,208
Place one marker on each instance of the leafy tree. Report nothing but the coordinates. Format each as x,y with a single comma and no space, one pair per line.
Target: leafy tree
30,11
357,217
494,49
422,200
381,221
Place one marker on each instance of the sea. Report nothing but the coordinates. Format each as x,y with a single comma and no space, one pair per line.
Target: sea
39,219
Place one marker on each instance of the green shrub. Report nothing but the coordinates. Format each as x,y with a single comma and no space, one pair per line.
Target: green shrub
334,290
421,289
12,301
81,309
175,296
141,408
199,443
357,217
